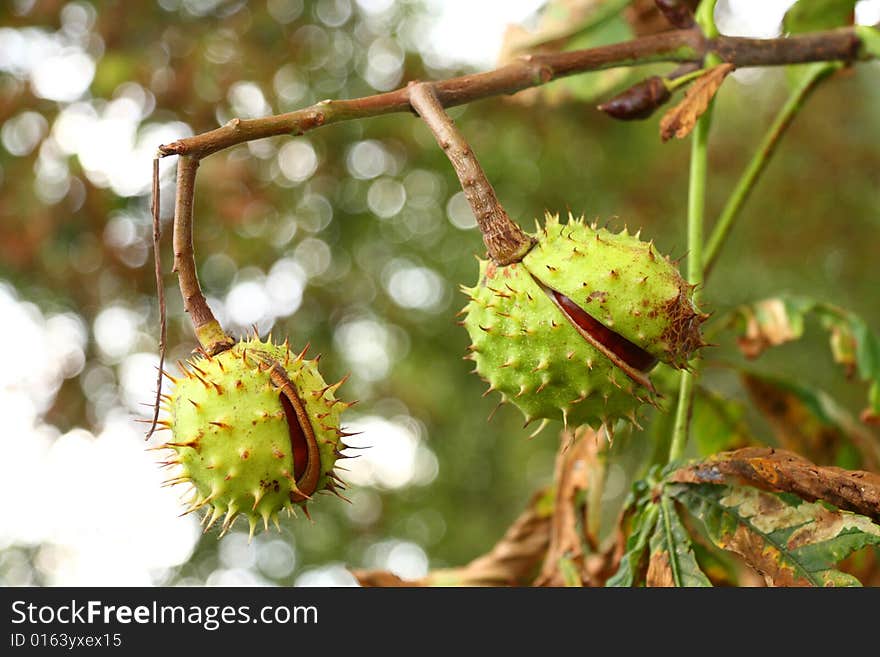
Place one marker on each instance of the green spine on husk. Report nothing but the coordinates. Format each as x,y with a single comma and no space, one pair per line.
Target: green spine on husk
230,416
526,349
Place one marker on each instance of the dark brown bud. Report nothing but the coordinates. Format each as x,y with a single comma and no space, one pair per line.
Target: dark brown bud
677,12
639,101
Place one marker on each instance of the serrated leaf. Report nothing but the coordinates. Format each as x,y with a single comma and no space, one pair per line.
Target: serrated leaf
788,541
779,320
718,565
672,561
810,422
782,471
632,564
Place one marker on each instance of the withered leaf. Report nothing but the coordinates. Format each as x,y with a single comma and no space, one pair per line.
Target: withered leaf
681,119
511,562
770,323
788,541
783,471
577,451
672,561
808,421
853,344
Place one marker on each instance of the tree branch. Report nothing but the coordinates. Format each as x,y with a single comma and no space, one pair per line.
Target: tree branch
535,70
505,240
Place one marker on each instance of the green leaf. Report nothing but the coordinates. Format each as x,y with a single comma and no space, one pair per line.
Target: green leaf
718,565
816,15
789,541
631,569
673,562
867,347
870,38
718,423
779,320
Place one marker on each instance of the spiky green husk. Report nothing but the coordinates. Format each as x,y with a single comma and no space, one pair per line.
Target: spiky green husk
622,282
231,436
526,349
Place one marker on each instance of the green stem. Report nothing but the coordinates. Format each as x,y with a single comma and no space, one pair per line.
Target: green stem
674,83
759,161
696,211
596,480
705,18
682,416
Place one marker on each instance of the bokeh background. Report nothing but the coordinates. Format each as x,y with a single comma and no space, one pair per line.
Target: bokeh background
354,238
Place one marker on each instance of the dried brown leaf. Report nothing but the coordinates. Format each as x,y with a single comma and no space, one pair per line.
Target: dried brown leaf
576,453
681,119
511,562
769,326
783,471
659,571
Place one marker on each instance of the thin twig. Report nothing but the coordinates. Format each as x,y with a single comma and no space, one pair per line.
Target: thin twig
535,70
160,290
505,240
207,328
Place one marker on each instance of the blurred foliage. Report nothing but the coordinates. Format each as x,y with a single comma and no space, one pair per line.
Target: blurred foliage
810,225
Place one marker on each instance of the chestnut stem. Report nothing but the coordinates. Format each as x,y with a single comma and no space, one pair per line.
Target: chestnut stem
505,240
208,330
